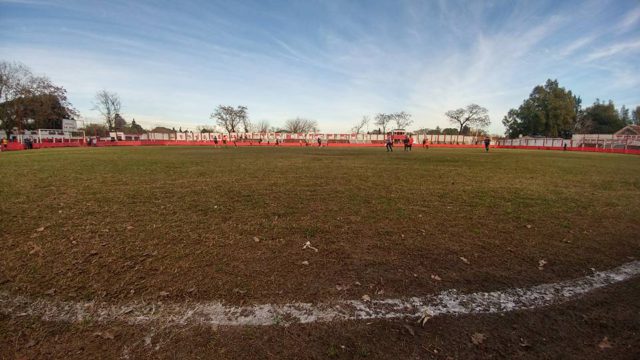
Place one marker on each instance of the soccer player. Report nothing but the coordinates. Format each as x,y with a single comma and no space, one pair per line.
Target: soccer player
389,142
487,142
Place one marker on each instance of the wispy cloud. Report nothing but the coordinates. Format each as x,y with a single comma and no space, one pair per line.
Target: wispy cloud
628,47
576,45
332,61
630,20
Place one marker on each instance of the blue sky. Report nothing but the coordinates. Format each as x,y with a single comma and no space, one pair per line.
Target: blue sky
333,61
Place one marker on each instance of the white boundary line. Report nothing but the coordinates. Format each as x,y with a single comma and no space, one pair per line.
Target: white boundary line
218,314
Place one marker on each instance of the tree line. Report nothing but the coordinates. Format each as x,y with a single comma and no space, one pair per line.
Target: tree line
29,102
471,118
553,111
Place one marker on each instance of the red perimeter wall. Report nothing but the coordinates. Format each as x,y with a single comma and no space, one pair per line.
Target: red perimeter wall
19,146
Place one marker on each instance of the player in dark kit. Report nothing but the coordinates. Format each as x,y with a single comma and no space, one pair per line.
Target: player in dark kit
389,143
487,142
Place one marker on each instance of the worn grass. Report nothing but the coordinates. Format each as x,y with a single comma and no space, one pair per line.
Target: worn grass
179,222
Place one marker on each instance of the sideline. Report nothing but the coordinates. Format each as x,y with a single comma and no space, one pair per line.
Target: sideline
213,313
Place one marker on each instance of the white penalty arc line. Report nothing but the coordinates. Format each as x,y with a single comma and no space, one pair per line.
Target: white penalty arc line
448,302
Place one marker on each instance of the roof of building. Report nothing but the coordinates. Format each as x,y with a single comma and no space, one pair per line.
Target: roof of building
629,130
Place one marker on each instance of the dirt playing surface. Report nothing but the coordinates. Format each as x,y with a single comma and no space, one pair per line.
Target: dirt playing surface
199,224
602,325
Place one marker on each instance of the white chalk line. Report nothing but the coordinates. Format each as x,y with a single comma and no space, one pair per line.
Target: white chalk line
214,313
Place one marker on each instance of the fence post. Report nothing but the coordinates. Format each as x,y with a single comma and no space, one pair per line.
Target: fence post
626,142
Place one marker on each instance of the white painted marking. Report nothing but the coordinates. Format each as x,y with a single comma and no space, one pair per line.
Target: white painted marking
218,314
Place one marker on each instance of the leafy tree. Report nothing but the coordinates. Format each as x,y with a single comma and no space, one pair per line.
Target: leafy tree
635,116
230,118
604,117
450,131
625,115
119,123
549,111
163,130
134,128
34,112
29,102
472,115
205,129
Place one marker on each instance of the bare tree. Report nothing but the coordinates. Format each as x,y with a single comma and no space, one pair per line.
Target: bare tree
402,119
230,118
473,115
361,125
262,126
244,118
108,105
13,80
383,120
301,125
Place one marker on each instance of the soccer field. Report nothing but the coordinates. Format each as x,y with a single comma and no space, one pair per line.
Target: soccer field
175,224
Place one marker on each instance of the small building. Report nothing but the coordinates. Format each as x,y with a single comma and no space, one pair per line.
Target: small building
629,130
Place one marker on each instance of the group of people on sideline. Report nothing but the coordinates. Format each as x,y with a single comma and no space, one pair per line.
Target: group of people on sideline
407,141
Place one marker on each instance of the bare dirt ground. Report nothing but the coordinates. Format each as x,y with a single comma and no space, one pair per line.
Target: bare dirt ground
201,224
602,325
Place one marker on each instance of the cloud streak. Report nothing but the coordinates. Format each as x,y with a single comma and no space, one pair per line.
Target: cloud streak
331,61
